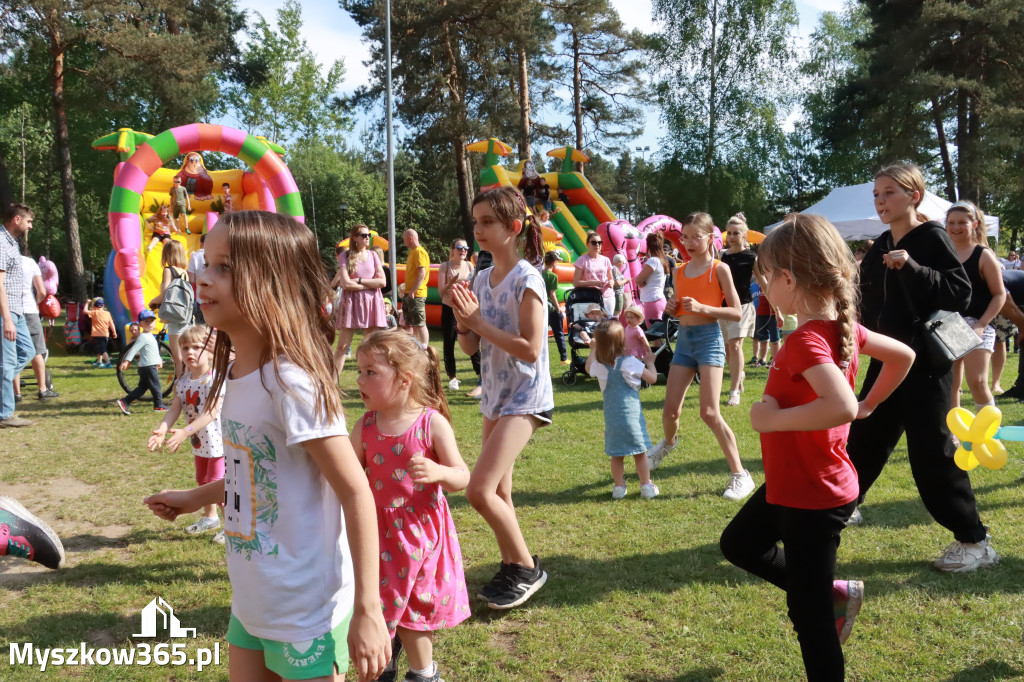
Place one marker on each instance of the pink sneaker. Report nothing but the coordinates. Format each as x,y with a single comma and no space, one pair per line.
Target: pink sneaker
847,598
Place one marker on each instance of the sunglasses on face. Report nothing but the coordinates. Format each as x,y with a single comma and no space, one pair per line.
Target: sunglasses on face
462,248
363,235
596,242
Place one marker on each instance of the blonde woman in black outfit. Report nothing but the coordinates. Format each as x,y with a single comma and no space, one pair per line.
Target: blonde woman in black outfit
965,226
911,271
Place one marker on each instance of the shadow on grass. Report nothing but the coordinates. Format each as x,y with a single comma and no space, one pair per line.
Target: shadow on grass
984,672
106,629
695,675
919,574
573,581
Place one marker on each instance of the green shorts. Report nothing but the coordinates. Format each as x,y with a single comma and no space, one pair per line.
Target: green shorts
318,659
415,310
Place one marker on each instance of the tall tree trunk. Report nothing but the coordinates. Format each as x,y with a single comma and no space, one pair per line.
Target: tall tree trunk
456,90
577,92
6,193
947,163
524,107
67,181
963,146
709,149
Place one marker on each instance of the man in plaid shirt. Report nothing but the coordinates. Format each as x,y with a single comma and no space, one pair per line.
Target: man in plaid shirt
16,348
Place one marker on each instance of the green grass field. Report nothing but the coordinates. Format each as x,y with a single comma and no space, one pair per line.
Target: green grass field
637,590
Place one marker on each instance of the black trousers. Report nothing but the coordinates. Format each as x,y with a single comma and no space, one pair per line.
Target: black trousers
449,335
149,380
918,408
555,322
804,567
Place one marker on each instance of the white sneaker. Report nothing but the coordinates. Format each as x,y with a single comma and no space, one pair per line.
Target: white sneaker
734,398
740,485
856,518
204,524
961,557
218,537
649,490
453,385
658,452
618,492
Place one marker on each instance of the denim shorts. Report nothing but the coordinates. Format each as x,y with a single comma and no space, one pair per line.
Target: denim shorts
700,346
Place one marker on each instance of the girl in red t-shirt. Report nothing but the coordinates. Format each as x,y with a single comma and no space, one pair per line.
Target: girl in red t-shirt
810,486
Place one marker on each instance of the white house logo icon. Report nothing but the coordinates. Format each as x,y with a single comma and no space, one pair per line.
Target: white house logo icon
170,621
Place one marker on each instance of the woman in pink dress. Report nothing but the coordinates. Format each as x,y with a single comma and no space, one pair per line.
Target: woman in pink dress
595,271
360,276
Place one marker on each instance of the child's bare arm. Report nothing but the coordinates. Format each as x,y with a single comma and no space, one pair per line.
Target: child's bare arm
896,360
368,640
157,439
450,470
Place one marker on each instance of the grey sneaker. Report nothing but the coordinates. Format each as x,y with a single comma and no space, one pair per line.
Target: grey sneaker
618,492
740,485
658,452
202,525
48,393
961,557
855,518
13,422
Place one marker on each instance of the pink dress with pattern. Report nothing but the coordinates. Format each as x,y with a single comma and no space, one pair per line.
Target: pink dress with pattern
422,584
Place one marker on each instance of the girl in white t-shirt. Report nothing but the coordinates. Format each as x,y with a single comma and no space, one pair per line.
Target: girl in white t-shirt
303,566
625,430
192,394
505,317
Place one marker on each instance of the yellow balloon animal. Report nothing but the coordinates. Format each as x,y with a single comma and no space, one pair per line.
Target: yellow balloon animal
980,437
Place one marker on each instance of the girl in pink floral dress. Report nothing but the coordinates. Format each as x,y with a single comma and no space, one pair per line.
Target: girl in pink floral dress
407,445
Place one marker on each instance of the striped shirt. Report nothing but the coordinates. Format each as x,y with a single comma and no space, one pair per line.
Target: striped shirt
10,265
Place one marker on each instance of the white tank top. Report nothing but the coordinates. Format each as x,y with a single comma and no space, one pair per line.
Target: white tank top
654,290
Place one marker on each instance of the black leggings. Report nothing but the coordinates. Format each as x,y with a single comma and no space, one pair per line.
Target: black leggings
449,335
918,407
149,380
805,569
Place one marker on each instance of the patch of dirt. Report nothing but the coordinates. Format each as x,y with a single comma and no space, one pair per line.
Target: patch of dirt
80,538
506,638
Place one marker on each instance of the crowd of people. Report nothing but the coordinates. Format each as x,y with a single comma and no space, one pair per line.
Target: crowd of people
262,392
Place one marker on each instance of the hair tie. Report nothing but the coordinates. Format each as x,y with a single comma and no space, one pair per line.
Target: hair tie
422,347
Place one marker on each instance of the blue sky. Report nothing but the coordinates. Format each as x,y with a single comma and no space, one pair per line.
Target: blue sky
331,34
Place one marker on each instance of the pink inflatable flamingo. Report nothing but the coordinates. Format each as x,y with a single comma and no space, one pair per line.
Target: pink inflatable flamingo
621,238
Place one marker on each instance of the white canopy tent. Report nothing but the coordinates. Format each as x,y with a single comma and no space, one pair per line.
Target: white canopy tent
852,210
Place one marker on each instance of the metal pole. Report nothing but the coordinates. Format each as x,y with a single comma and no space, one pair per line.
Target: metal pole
312,202
392,257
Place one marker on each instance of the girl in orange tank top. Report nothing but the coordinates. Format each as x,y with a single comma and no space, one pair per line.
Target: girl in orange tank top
701,286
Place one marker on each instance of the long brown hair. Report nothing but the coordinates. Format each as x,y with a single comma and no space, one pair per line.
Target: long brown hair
508,205
281,288
173,255
610,338
353,257
810,247
406,356
656,249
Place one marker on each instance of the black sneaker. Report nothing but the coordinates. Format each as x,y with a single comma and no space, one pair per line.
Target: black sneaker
390,673
496,585
519,585
1015,392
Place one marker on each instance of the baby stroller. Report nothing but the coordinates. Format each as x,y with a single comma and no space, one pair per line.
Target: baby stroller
576,303
661,336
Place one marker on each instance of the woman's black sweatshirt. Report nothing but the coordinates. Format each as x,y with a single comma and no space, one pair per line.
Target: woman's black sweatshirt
932,278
